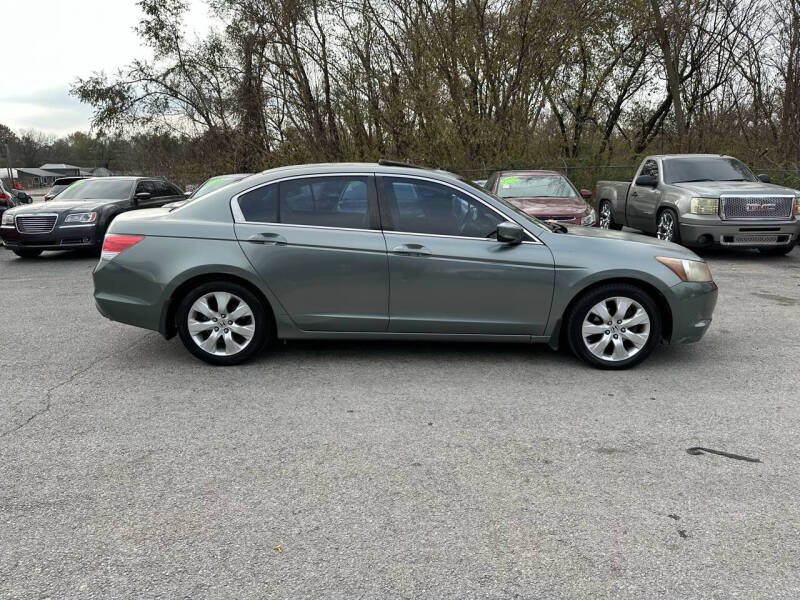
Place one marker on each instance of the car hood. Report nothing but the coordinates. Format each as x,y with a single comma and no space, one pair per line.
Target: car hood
538,206
625,236
60,206
713,189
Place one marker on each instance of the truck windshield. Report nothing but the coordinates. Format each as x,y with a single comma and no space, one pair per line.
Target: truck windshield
711,168
535,186
98,189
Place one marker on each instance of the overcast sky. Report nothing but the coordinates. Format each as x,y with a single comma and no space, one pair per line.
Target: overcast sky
50,43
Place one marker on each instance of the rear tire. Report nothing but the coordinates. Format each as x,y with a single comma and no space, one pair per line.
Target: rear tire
614,326
606,216
223,323
27,253
776,250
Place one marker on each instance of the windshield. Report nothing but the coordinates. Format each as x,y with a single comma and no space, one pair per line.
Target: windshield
535,186
520,212
98,189
709,168
209,185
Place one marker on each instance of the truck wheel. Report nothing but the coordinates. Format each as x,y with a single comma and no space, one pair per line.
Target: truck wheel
223,323
607,216
27,252
614,326
776,250
668,228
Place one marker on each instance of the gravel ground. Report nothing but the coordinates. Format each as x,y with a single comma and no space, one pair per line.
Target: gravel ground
377,470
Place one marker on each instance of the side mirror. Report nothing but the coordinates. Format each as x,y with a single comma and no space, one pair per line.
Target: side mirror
764,178
187,194
140,196
586,194
509,233
646,181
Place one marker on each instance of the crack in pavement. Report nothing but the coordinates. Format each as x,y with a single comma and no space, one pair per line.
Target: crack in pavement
48,394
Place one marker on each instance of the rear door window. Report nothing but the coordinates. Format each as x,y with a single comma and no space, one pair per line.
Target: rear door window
325,202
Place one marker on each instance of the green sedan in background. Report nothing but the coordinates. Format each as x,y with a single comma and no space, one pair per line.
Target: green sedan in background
388,251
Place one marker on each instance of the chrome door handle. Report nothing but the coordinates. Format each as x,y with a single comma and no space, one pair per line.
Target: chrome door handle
634,193
411,250
273,239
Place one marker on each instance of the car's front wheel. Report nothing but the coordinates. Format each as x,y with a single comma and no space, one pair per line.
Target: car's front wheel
614,326
27,252
668,228
223,323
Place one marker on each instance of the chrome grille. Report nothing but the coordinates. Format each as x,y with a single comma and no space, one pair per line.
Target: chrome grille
756,207
36,223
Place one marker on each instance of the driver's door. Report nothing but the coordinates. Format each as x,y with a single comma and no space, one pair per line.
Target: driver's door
447,273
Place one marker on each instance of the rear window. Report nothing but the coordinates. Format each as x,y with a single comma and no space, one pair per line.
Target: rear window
98,189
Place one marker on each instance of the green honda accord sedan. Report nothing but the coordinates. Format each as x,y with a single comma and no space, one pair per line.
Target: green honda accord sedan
384,251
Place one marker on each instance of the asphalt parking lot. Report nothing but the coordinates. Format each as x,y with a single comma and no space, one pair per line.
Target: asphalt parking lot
390,470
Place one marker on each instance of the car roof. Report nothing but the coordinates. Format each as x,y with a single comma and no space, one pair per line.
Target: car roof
662,156
387,168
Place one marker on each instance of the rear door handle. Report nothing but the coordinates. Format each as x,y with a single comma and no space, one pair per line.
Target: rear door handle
411,250
274,239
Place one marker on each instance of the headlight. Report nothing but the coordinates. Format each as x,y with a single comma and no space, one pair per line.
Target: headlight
8,218
589,219
89,217
687,270
704,206
797,206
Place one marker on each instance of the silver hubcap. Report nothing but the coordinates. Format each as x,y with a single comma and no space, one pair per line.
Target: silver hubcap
605,216
616,328
221,323
666,226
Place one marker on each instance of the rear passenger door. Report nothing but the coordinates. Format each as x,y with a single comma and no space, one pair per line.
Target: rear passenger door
316,243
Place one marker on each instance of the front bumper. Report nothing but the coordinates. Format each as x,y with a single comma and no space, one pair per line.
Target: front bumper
710,230
61,238
692,307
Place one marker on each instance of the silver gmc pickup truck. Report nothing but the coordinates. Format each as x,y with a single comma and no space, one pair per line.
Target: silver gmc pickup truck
703,200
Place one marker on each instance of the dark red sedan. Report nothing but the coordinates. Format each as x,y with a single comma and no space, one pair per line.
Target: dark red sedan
547,195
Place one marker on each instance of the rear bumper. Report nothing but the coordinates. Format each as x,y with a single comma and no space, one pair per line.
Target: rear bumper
710,230
126,296
692,309
61,238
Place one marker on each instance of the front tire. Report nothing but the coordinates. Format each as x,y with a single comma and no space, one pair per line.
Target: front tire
668,228
27,252
223,323
776,250
614,326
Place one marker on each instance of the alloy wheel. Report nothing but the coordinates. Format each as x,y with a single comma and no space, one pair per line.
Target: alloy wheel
616,329
605,216
221,323
666,226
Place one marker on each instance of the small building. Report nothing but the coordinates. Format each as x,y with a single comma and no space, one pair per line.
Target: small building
61,168
30,177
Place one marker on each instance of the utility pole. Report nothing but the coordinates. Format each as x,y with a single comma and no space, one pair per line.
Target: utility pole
8,167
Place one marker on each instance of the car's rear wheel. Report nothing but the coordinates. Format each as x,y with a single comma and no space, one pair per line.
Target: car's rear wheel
614,326
27,252
776,250
607,216
223,323
668,228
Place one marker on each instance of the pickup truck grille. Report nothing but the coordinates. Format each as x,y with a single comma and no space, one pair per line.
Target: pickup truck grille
756,207
36,223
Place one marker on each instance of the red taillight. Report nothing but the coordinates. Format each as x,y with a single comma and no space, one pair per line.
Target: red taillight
3,196
114,244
